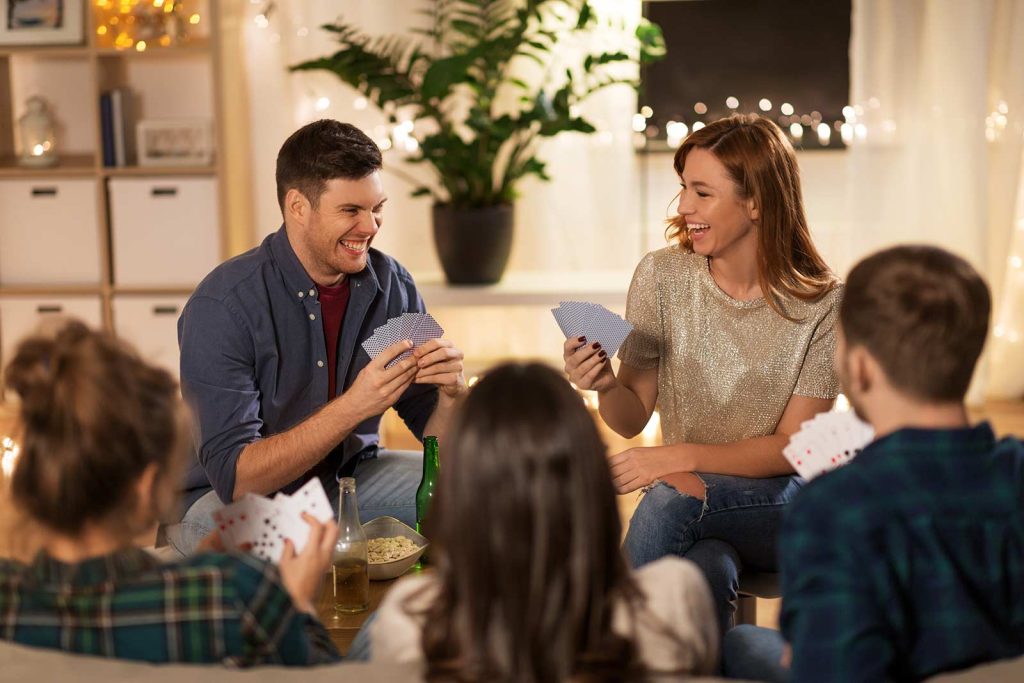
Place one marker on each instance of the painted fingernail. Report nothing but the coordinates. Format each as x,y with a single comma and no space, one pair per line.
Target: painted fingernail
596,345
603,354
582,339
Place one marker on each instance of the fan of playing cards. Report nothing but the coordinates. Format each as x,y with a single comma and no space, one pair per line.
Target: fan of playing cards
828,441
264,524
593,321
416,327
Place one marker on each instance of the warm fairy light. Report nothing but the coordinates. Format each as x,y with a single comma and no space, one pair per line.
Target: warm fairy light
700,108
38,150
194,19
473,380
732,102
165,41
101,31
786,109
140,46
8,455
824,134
123,41
697,125
765,104
639,123
797,131
646,112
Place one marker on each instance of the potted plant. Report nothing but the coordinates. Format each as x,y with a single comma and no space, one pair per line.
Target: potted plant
454,79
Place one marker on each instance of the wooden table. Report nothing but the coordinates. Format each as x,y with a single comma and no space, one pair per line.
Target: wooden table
343,627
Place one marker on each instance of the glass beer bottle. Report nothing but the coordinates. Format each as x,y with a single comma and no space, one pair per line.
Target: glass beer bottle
351,578
425,492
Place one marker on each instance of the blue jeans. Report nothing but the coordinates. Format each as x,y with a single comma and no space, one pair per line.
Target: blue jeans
753,653
385,485
734,527
360,650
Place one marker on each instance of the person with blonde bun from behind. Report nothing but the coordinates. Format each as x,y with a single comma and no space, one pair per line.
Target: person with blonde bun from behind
103,439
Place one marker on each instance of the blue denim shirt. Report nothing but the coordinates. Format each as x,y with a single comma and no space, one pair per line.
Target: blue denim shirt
254,360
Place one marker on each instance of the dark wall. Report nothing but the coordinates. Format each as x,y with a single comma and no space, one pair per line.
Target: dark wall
794,51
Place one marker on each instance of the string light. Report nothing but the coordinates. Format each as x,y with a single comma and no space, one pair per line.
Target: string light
700,108
765,104
646,112
732,102
797,131
786,109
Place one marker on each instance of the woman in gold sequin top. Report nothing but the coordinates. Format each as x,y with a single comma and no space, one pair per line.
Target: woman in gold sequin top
733,342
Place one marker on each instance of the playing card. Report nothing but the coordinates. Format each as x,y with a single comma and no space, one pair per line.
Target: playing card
261,525
827,441
310,499
593,321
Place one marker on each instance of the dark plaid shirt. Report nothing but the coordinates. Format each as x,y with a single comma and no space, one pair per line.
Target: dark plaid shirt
210,608
909,561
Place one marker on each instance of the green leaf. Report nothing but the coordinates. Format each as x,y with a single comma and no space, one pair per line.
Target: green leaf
443,74
586,14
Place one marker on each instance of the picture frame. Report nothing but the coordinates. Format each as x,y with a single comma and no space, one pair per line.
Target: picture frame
174,142
42,22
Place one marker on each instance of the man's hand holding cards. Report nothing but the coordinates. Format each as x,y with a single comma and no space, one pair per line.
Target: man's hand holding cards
261,525
827,441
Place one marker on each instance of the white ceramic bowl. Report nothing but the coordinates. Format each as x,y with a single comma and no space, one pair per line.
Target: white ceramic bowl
387,527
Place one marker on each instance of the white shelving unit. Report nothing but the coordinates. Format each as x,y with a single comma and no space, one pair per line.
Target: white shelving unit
121,247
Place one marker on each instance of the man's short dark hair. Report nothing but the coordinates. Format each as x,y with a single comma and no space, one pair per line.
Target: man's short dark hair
922,313
322,151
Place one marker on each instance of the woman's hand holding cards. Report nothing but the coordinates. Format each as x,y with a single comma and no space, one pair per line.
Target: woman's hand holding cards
588,365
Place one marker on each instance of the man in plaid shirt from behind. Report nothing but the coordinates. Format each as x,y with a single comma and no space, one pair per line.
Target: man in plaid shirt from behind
909,561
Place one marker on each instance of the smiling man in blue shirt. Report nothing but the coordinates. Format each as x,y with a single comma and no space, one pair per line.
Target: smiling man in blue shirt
271,356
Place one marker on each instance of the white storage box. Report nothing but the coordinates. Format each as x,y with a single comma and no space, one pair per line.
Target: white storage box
48,232
151,325
165,231
20,316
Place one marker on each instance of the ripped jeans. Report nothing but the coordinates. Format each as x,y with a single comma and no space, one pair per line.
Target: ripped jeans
735,526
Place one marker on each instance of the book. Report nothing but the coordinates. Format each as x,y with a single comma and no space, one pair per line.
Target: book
107,129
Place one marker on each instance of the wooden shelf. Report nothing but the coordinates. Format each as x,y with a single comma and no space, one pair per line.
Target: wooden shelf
194,48
68,165
176,290
46,51
135,171
51,290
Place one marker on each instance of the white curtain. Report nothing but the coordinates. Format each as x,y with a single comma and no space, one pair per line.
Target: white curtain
938,87
937,156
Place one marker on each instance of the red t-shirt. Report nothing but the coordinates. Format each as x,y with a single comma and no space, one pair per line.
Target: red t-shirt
333,302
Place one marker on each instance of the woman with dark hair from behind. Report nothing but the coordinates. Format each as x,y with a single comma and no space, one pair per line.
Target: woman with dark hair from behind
103,439
529,582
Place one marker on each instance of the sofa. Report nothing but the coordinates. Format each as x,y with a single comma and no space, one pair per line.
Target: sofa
19,663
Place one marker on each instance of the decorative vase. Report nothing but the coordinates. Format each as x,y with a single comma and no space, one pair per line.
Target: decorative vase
473,243
38,139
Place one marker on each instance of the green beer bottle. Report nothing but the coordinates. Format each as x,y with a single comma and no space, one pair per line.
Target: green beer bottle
425,492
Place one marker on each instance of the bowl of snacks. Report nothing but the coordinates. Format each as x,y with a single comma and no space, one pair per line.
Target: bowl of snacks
392,548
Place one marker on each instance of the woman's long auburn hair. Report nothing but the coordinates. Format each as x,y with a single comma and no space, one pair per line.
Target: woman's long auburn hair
526,533
762,163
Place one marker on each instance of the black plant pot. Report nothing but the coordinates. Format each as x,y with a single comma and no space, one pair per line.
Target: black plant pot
473,243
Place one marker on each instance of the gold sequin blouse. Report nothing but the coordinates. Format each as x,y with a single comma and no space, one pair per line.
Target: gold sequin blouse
726,368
